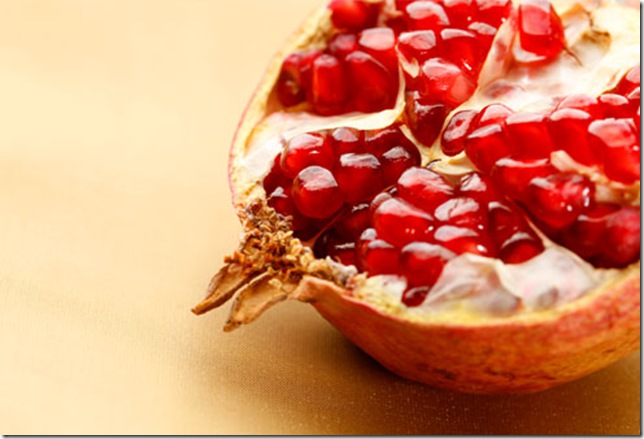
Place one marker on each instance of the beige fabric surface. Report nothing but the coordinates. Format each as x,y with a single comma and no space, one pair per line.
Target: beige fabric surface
114,212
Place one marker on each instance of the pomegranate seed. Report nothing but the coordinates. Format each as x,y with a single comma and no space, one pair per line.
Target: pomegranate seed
616,142
377,256
345,140
351,225
462,240
460,47
462,212
615,106
504,221
353,14
341,45
485,146
395,162
424,188
621,243
484,35
582,102
422,263
295,77
374,88
306,150
378,200
585,235
280,200
568,127
423,15
331,245
379,141
459,12
400,223
445,82
328,85
453,139
415,296
540,28
418,45
492,12
520,247
634,97
492,114
477,186
359,176
513,176
629,81
528,135
275,177
558,199
425,120
316,193
380,42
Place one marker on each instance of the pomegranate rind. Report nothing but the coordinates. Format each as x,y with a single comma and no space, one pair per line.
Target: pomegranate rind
511,355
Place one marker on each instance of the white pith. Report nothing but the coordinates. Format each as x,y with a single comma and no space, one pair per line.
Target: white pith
603,45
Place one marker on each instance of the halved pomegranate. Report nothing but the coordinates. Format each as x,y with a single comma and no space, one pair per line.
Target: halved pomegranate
454,185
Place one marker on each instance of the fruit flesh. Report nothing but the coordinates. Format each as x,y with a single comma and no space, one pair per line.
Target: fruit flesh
503,383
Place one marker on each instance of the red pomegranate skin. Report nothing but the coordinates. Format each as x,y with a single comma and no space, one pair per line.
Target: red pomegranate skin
497,356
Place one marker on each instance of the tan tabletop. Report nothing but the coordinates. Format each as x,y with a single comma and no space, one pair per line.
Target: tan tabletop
114,212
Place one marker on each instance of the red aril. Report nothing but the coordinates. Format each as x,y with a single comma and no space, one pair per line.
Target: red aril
528,135
568,128
453,139
460,47
373,87
492,12
540,28
616,143
316,193
328,85
424,188
380,42
445,82
425,118
295,77
400,223
426,15
418,45
353,14
359,176
487,145
306,150
459,12
512,176
422,263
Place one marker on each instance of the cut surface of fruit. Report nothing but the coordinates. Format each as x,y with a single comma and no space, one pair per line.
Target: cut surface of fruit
466,170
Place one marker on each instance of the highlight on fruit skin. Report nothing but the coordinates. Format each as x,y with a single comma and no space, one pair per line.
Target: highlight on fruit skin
453,184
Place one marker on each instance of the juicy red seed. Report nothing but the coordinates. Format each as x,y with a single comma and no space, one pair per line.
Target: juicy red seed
275,176
462,212
453,139
396,161
459,11
477,186
424,188
353,14
582,102
504,221
462,240
380,42
425,119
621,243
568,128
419,45
295,77
540,28
316,193
344,252
629,81
422,263
616,143
513,176
415,296
423,15
373,87
491,114
379,141
342,45
528,135
520,247
306,150
492,12
634,97
378,257
445,82
400,223
558,199
460,47
281,201
484,35
614,105
344,140
485,146
357,219
585,235
328,85
359,176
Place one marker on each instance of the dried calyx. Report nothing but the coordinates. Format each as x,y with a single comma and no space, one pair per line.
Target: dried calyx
443,162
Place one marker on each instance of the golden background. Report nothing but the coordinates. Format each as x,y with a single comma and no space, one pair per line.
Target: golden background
115,118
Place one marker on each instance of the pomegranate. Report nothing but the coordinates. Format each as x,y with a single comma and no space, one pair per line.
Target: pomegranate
453,184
